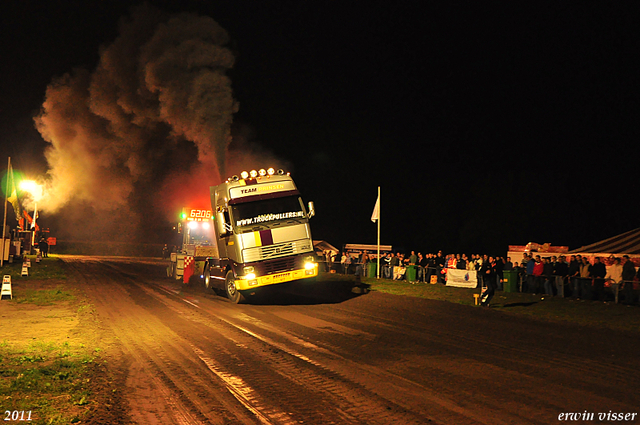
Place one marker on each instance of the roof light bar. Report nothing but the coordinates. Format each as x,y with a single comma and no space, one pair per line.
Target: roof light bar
258,173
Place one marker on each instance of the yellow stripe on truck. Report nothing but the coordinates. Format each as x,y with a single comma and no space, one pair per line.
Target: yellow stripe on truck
273,279
256,236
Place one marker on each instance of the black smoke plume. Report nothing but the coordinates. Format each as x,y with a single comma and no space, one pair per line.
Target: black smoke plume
135,139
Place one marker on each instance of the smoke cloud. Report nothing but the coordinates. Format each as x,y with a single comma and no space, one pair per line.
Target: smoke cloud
148,129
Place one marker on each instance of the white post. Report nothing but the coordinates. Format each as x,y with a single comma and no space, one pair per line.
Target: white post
4,224
379,208
33,226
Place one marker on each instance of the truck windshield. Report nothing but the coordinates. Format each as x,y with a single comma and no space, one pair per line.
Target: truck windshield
268,210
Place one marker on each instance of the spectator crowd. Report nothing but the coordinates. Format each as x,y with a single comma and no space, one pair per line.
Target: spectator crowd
577,277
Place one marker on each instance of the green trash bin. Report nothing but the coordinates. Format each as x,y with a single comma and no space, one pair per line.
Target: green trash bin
510,280
372,267
412,273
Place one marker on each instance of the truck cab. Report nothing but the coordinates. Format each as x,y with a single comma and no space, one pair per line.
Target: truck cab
262,234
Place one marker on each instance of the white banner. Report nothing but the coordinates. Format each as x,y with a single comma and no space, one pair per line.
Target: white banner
462,278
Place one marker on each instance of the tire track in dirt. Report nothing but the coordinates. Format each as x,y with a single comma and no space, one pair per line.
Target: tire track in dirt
328,390
266,368
310,392
161,374
535,387
355,403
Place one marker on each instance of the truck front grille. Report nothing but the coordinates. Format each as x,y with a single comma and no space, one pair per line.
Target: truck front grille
274,251
279,265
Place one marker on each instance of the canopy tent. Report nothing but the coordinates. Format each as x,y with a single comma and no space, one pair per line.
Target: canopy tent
322,246
625,243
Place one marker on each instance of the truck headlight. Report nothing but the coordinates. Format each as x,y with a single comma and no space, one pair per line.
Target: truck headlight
309,265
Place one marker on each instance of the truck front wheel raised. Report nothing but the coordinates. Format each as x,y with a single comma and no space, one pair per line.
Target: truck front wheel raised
230,287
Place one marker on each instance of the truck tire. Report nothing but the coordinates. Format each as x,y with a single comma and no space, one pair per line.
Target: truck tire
230,288
207,279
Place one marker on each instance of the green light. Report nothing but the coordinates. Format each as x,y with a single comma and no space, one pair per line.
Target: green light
17,177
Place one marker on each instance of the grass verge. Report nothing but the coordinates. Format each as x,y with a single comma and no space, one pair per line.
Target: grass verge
48,367
48,381
43,296
48,268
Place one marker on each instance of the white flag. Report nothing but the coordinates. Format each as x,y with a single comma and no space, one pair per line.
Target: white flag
376,211
35,216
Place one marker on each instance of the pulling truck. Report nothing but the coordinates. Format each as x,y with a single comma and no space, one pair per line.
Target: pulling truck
196,246
262,235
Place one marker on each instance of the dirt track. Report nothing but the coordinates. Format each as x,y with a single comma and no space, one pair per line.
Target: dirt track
184,356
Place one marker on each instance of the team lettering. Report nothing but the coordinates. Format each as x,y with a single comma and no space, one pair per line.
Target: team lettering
262,189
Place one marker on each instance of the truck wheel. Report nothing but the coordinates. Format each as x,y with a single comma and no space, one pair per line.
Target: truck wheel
230,287
207,279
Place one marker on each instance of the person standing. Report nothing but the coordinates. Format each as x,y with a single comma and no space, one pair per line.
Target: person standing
574,276
44,248
561,270
508,265
394,264
413,259
538,270
327,260
549,278
586,281
529,266
628,273
440,263
499,262
488,272
598,272
422,261
614,274
471,263
365,259
462,262
431,266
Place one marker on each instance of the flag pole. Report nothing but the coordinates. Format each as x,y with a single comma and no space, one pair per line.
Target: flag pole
4,223
379,208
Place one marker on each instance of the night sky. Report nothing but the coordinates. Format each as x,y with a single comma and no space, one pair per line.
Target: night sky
485,126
